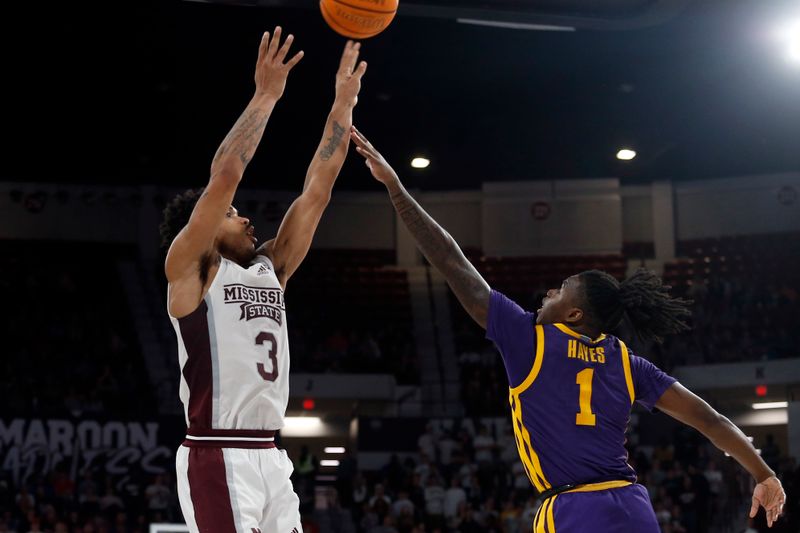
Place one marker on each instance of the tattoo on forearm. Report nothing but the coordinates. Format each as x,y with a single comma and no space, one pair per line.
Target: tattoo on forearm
429,242
244,137
333,142
443,253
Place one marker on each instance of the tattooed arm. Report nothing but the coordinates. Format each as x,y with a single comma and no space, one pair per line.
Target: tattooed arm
194,245
436,244
288,249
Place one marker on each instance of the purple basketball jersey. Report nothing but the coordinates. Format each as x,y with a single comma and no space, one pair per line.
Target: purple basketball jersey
570,396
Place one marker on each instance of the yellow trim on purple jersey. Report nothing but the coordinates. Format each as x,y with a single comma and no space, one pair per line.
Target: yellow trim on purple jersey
626,366
551,521
592,487
537,363
530,460
577,335
544,522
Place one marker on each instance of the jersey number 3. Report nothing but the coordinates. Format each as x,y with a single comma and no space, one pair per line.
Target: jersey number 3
585,417
263,337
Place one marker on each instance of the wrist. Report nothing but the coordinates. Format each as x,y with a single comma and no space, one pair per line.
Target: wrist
393,184
764,475
265,98
343,105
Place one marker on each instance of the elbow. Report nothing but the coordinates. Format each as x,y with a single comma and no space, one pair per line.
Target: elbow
317,197
228,172
710,423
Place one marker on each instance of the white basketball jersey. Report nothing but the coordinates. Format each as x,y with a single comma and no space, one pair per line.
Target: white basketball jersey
234,351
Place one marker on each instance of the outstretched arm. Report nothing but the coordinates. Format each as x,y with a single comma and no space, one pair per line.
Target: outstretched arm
297,229
196,240
681,404
441,250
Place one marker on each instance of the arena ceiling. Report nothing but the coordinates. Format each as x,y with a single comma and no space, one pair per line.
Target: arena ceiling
142,92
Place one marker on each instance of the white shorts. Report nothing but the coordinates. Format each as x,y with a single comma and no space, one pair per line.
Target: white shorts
236,490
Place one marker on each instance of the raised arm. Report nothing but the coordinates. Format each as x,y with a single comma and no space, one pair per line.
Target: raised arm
288,249
681,404
441,250
195,242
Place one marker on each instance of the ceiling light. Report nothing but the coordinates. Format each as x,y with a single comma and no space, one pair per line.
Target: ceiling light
794,50
334,449
790,34
770,405
420,162
329,462
302,426
626,154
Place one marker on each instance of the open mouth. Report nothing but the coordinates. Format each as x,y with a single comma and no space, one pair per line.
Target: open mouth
251,233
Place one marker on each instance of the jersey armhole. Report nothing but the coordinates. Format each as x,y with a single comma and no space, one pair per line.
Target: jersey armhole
626,367
538,349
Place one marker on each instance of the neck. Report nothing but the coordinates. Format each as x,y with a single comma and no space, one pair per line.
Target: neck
586,330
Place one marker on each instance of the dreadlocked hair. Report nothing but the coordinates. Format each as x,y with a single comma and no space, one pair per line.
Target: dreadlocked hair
176,215
642,302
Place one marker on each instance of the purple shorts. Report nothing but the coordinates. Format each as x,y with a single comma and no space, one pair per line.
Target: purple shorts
617,510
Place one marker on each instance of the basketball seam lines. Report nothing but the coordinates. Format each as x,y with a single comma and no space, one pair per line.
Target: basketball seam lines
334,21
364,8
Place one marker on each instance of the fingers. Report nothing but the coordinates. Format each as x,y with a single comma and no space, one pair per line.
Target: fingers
349,57
296,59
362,68
359,135
774,511
754,508
285,48
274,42
262,47
360,141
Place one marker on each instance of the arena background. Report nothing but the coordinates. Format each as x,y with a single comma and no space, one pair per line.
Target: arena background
397,401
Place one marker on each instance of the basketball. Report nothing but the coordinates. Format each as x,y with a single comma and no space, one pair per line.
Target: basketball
358,19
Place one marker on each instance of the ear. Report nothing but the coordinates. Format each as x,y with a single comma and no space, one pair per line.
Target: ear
574,315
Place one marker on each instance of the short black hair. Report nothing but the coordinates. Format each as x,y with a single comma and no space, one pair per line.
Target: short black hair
641,302
176,215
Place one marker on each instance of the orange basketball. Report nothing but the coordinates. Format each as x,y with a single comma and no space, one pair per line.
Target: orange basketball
358,19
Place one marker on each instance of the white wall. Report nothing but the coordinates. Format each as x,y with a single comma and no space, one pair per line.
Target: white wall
637,213
460,213
71,220
357,221
721,376
736,206
585,218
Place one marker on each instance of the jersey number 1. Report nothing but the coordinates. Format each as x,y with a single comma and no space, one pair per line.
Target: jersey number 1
263,337
585,417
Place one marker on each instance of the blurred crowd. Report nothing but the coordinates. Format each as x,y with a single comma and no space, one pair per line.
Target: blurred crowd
68,343
386,349
92,503
463,478
471,480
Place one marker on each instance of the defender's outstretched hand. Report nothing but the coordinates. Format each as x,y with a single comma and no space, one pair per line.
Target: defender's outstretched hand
380,169
271,71
769,495
348,77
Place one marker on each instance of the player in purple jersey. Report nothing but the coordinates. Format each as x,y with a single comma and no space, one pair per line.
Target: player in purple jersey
573,383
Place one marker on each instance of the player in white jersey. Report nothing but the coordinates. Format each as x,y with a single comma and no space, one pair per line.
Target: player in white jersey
225,300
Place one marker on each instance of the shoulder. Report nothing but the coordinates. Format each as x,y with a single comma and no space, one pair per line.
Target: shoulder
501,306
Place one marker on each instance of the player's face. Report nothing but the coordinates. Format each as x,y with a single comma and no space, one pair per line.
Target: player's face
236,239
560,306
